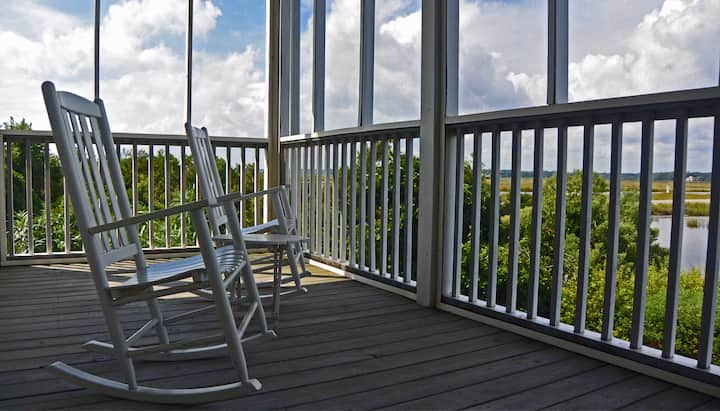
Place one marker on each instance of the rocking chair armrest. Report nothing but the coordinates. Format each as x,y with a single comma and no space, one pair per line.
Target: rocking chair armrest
154,215
238,196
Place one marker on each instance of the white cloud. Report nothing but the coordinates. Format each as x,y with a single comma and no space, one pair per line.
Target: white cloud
652,45
142,75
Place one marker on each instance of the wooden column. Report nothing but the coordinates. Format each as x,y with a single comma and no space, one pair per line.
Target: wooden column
432,149
367,62
272,84
557,68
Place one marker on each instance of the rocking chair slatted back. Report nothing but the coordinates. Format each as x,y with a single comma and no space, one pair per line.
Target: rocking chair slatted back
285,213
95,182
210,183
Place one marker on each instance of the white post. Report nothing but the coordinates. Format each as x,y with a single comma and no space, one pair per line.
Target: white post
96,51
432,148
285,64
188,63
289,67
557,67
453,57
318,83
272,81
295,67
367,62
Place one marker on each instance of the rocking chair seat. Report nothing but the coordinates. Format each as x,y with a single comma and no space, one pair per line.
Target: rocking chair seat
229,260
261,228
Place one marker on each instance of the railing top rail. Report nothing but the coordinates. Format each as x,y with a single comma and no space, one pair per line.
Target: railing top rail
135,138
698,103
396,128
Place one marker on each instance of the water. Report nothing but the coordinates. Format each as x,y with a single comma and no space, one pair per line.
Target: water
694,247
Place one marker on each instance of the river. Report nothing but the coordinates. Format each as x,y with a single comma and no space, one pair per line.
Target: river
694,247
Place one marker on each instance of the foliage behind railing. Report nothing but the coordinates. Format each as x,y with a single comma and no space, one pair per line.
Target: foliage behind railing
36,213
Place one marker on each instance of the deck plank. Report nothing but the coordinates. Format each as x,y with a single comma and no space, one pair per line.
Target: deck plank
344,345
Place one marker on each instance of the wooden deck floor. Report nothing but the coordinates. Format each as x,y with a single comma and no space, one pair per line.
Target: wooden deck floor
344,345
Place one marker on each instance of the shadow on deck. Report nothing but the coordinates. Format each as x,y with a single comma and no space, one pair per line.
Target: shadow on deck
343,345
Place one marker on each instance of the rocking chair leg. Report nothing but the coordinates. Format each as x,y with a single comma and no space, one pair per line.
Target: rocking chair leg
293,261
117,335
160,328
224,310
254,296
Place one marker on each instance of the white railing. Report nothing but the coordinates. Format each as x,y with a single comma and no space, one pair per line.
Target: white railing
498,267
355,197
37,221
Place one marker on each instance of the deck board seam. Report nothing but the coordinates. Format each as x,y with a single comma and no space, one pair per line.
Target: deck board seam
480,382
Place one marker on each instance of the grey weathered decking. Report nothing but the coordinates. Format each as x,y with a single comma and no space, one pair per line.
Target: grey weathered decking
344,345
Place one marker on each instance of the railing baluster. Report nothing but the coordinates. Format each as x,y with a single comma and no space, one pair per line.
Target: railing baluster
228,170
676,236
384,223
326,204
183,235
536,224
243,183
312,206
712,264
48,199
613,230
151,196
353,196
459,203
29,199
318,201
585,227
511,289
134,166
11,202
371,205
494,219
66,217
296,185
166,180
643,238
451,276
560,204
363,204
336,202
476,217
300,188
396,210
256,187
343,201
4,178
409,214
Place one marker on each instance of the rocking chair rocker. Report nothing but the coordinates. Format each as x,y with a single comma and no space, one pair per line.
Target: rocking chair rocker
109,232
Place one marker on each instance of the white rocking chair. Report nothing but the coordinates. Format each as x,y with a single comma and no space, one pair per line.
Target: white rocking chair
109,233
282,236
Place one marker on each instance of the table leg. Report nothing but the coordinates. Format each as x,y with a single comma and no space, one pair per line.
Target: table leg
277,284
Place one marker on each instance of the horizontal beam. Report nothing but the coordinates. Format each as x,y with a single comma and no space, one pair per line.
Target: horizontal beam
664,104
401,127
38,137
